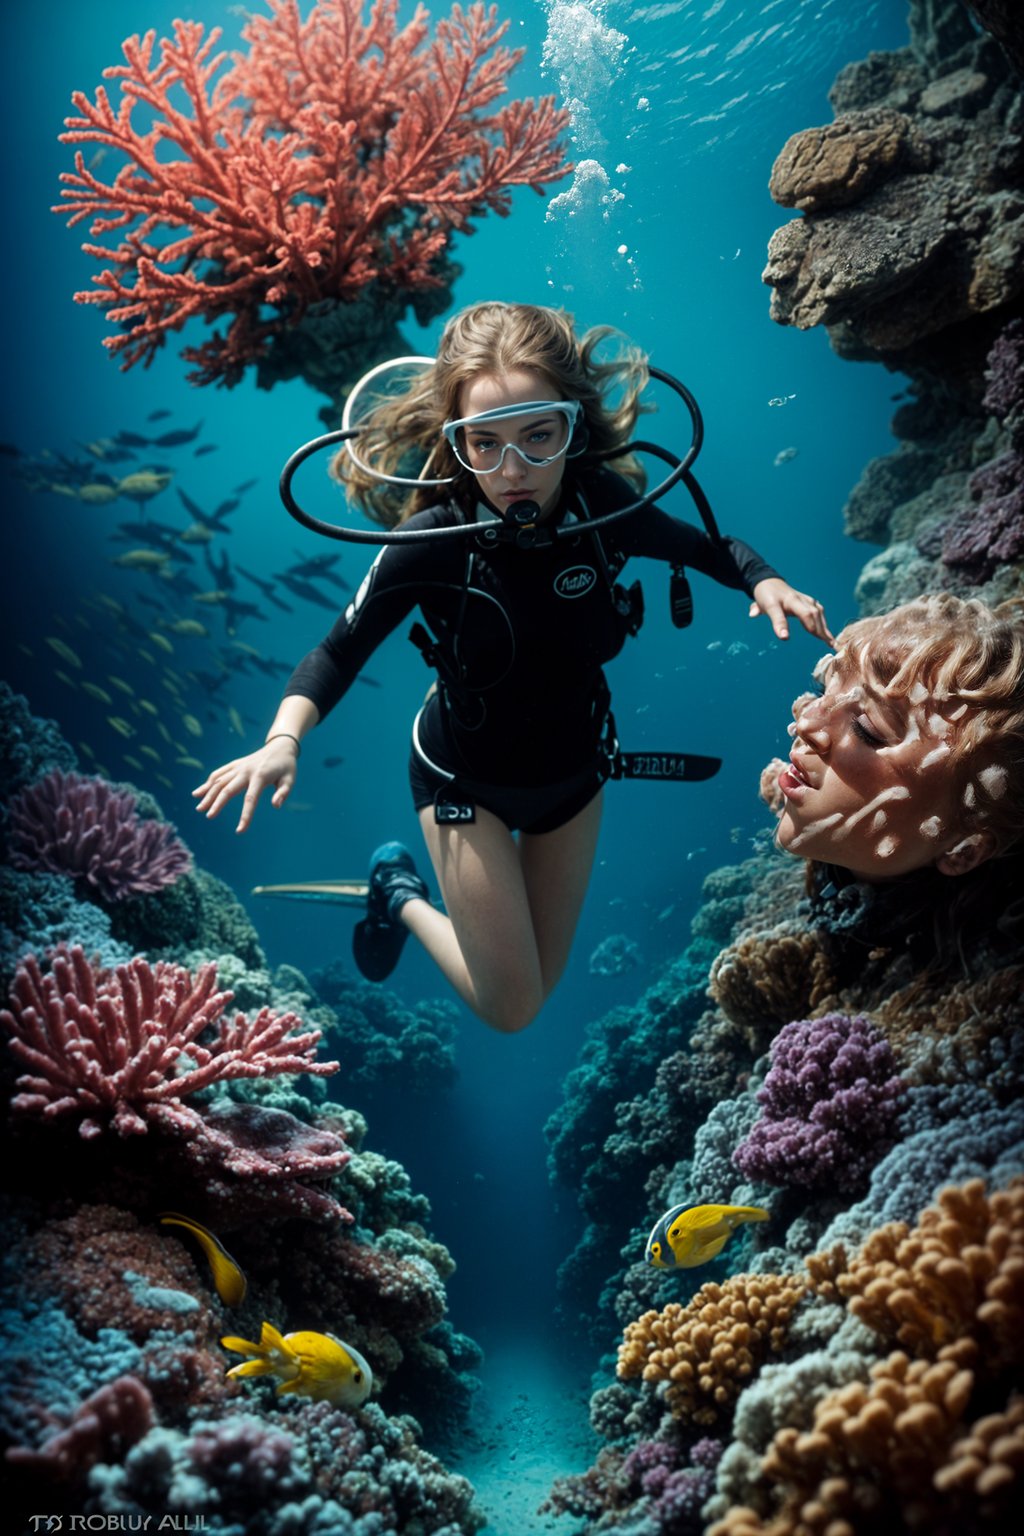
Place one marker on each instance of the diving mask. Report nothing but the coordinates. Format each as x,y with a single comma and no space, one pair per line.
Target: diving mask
546,435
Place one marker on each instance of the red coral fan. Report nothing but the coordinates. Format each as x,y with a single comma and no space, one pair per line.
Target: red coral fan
88,828
332,156
122,1048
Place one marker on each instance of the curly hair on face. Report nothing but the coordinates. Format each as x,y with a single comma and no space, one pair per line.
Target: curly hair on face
490,339
965,661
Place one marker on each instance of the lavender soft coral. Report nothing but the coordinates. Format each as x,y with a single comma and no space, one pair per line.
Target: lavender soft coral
831,1103
86,827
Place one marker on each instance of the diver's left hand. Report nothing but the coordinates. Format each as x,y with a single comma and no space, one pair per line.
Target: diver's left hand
775,598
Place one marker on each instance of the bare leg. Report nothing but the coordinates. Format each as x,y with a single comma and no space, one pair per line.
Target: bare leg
511,910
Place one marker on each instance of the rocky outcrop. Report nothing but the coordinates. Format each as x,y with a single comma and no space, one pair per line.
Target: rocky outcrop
910,252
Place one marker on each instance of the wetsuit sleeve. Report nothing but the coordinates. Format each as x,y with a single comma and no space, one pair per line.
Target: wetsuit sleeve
388,593
731,562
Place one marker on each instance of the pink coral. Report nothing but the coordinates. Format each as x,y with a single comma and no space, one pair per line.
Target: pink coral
101,1429
123,1048
89,828
332,156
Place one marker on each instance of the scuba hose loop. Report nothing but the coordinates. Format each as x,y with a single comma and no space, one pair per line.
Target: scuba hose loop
680,471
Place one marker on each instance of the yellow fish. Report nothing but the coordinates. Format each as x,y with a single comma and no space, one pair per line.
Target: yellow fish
121,725
228,1280
161,641
690,1235
96,692
192,725
315,1364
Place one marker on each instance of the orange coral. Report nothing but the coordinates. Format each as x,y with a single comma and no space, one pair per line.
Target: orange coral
958,1274
709,1349
902,1451
884,1452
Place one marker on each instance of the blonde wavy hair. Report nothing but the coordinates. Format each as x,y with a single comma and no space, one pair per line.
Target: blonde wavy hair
488,339
961,653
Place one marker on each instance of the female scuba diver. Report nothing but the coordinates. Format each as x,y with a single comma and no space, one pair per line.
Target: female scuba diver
514,424
907,775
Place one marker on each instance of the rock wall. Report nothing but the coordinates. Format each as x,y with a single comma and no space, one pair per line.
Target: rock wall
909,250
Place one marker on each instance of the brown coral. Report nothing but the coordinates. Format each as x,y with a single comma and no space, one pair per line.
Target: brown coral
766,979
941,1031
888,1453
959,1274
709,1349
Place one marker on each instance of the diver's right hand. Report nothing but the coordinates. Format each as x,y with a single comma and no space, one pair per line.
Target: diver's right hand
275,763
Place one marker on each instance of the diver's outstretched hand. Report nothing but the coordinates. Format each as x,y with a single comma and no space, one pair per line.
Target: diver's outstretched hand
275,763
775,598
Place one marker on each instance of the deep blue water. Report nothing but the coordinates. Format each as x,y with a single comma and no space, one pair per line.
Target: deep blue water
691,105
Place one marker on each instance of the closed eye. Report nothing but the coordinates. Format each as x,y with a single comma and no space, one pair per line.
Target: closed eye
865,734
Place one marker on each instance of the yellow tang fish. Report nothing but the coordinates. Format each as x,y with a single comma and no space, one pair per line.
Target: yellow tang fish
315,1364
690,1235
228,1280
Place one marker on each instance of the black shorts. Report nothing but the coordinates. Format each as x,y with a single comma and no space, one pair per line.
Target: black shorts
537,808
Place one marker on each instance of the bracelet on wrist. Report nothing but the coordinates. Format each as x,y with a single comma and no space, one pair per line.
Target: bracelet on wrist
288,735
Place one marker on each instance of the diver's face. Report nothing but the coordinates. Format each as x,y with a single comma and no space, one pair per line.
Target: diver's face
516,480
868,786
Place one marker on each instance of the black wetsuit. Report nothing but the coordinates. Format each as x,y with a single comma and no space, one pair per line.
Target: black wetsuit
520,640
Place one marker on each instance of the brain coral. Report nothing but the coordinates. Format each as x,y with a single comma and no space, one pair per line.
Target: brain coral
707,1350
89,828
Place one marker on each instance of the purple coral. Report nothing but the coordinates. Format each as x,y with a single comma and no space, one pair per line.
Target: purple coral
676,1485
991,530
831,1103
86,827
1004,378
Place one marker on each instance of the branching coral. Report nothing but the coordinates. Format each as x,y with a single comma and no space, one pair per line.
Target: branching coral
888,1454
831,1103
958,1274
86,827
122,1049
333,155
706,1351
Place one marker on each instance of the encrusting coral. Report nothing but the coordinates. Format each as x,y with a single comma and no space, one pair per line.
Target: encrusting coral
331,161
703,1353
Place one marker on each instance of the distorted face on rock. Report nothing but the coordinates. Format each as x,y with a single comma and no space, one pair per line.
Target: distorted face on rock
874,784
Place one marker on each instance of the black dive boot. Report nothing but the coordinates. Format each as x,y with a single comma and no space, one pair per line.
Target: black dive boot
380,936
